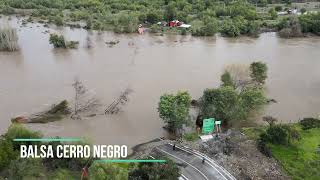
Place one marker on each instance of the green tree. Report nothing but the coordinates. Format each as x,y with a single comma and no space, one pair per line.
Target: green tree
258,72
273,13
226,79
220,103
156,171
251,99
26,169
171,11
107,171
174,110
278,8
9,150
57,41
230,28
7,153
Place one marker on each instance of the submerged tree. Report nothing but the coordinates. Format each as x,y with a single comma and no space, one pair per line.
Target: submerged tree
57,41
259,72
239,74
8,39
115,106
83,100
174,110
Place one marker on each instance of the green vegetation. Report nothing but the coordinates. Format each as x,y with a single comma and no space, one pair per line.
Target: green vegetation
13,167
125,16
296,148
58,41
193,136
174,110
231,18
106,171
309,123
8,39
57,112
238,97
310,23
155,171
300,159
258,72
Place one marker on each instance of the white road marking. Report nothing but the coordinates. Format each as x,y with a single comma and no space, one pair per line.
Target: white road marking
186,163
201,156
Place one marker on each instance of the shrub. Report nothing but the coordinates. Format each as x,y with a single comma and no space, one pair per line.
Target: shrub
310,23
308,123
277,135
263,148
57,41
230,28
155,28
8,39
207,28
290,28
278,8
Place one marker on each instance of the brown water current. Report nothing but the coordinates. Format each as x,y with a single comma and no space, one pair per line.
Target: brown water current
38,75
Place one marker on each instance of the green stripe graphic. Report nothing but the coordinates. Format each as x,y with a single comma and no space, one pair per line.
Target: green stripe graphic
130,160
48,139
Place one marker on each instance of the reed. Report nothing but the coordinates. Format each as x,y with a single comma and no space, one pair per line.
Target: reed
8,39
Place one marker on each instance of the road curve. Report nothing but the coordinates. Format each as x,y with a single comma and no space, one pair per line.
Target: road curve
193,168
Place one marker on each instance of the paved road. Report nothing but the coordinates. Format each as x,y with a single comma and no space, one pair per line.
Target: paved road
192,166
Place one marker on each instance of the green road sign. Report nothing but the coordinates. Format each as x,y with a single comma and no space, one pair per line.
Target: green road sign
208,126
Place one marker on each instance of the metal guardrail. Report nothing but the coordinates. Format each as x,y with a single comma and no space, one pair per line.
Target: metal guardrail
208,159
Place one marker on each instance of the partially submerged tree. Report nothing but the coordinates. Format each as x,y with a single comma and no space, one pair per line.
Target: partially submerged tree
115,106
258,72
83,101
8,39
174,110
57,41
240,75
220,103
270,120
226,79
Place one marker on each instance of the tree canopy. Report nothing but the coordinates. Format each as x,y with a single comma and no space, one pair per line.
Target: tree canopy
174,109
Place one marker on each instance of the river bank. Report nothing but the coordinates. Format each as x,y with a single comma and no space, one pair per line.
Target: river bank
38,76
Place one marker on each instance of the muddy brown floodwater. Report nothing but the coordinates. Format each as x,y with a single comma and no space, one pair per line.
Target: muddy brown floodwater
38,76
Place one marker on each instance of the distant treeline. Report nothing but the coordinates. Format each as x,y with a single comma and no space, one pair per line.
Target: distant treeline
207,17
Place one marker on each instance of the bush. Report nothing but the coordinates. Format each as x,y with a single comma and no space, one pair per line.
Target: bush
278,8
310,23
230,28
57,41
276,135
263,148
191,136
207,29
8,39
309,123
290,28
155,28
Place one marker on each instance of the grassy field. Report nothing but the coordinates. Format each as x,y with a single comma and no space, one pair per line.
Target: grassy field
300,160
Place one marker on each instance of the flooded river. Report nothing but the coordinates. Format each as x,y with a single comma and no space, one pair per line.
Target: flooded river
38,76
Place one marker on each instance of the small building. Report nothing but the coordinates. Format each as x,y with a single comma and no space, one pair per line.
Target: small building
175,23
